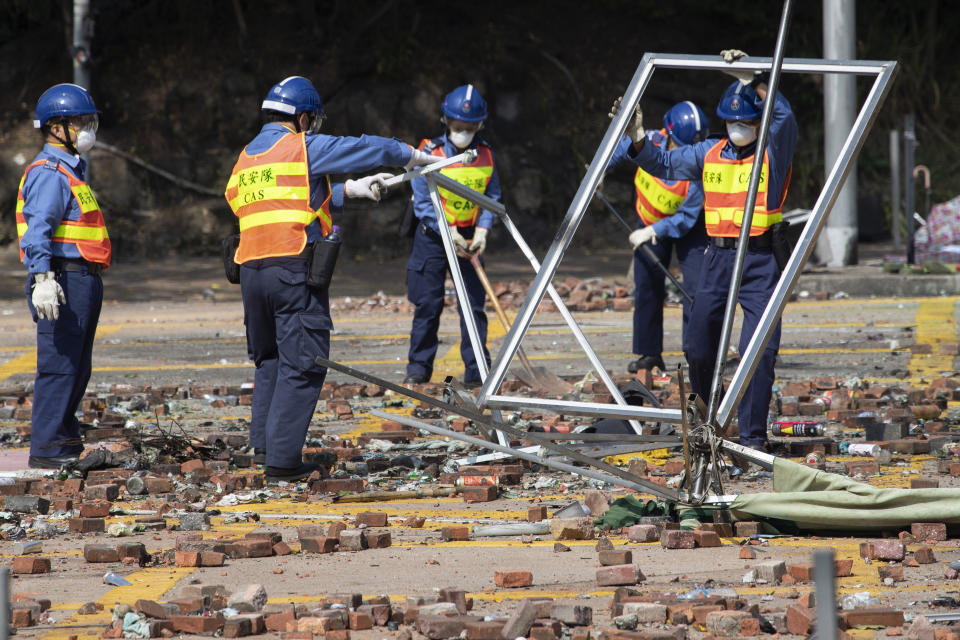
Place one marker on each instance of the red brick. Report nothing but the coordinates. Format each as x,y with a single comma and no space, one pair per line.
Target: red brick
706,538
159,485
22,618
318,545
871,617
87,525
624,574
278,621
191,465
237,627
100,553
337,634
802,571
187,558
615,556
372,519
250,548
455,533
536,514
25,564
800,620
212,558
936,531
843,568
95,509
336,485
101,492
377,539
888,549
746,553
481,493
197,624
513,578
677,539
281,549
894,571
359,620
924,555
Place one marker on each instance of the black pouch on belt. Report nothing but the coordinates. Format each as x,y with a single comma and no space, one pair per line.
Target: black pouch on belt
322,261
229,249
780,243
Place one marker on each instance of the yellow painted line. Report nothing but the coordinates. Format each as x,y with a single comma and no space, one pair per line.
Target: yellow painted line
20,364
935,326
147,584
450,364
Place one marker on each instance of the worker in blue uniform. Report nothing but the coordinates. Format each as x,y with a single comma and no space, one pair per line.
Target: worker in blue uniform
463,113
283,197
64,244
724,168
668,218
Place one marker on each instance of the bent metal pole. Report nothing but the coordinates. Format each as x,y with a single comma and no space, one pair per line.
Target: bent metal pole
748,209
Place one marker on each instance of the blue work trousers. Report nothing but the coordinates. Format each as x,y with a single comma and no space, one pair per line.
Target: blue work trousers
650,288
64,364
288,326
426,271
760,275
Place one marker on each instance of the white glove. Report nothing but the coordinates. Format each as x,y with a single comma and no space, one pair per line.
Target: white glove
369,187
635,129
458,240
643,234
745,76
419,158
479,242
47,295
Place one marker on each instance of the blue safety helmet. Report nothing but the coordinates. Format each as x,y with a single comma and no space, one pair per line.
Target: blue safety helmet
686,123
465,103
738,102
62,101
293,95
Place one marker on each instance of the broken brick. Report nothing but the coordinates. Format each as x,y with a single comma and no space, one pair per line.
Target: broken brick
513,578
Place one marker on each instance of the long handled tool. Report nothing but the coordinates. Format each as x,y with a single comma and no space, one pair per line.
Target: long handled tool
536,377
647,251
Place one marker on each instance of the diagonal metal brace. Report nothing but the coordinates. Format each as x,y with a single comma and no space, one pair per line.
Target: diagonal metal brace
483,421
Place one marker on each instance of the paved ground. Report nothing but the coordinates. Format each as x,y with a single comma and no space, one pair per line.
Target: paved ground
187,336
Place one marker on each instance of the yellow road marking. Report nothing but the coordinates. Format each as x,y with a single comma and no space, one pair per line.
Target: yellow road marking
935,326
147,584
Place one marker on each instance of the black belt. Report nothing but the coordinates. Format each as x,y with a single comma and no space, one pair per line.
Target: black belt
763,241
435,234
76,265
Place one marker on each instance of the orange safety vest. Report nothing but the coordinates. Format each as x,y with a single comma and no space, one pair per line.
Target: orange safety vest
270,193
656,199
460,211
725,182
88,233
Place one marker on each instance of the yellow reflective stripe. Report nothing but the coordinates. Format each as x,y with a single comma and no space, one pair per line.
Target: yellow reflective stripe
21,229
250,195
73,232
666,201
760,219
476,178
277,168
274,217
730,178
19,205
85,198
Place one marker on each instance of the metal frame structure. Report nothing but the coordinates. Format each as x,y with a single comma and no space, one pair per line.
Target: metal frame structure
701,440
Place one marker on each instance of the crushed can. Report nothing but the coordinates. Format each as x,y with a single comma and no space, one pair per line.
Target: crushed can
815,458
796,428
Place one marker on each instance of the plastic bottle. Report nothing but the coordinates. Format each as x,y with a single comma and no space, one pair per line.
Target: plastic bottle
325,255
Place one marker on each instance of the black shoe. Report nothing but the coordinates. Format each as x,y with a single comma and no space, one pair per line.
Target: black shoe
259,456
415,378
283,474
53,462
473,384
646,362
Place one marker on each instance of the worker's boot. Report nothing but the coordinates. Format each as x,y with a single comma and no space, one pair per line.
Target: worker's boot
646,362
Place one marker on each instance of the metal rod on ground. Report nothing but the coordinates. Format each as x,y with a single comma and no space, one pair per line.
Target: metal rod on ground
588,350
895,178
561,466
826,594
687,480
747,222
647,251
818,215
4,603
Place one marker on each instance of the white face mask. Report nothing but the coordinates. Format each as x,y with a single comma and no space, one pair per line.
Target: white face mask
85,140
741,134
461,139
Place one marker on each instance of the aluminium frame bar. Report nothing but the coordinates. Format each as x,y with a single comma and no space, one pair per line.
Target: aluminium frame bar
499,209
584,194
746,223
808,239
